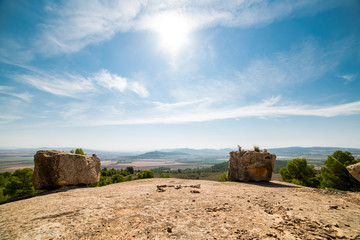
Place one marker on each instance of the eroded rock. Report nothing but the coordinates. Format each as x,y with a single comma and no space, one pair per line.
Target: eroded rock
251,166
354,170
57,168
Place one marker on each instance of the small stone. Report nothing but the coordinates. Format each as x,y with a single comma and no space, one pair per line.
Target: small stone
169,230
195,191
333,207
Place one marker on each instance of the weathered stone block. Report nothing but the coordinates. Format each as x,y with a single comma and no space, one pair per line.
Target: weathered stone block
57,168
251,166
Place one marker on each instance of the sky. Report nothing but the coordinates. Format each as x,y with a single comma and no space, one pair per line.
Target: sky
147,75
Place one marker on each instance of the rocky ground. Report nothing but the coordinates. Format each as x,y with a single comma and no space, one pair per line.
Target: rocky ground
185,209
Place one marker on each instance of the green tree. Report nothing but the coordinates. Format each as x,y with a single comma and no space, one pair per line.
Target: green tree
148,174
129,177
20,184
130,170
297,171
116,178
139,175
72,151
335,175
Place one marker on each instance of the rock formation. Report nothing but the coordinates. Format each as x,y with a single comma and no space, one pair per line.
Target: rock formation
251,166
57,168
354,170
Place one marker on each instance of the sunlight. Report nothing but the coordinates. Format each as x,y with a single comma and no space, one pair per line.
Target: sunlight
173,30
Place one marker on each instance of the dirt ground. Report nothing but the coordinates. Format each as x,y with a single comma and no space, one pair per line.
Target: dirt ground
185,209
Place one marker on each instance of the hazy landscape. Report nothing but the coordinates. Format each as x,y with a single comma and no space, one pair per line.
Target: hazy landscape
161,92
181,158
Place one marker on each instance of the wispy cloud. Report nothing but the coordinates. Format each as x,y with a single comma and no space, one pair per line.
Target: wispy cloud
76,86
267,109
65,84
348,78
112,81
77,24
26,96
5,118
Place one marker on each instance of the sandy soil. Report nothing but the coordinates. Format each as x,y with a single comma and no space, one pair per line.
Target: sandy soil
199,209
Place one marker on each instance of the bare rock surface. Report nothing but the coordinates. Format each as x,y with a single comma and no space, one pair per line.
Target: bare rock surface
354,170
229,210
57,168
251,166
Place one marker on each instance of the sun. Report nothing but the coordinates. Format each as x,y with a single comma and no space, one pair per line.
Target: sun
173,30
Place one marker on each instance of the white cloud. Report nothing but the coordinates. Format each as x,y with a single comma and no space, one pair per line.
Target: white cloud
76,24
348,78
112,81
171,114
139,89
66,84
73,85
9,91
181,105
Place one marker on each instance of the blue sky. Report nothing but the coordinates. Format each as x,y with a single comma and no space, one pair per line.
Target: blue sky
142,75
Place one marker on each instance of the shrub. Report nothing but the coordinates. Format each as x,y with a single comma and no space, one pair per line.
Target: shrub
79,151
163,175
145,174
117,178
256,148
129,177
335,175
104,181
139,175
148,174
222,178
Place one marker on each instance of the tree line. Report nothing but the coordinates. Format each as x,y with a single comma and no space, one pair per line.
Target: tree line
110,176
19,183
332,175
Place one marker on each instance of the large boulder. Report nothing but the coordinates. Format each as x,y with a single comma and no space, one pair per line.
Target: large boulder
251,166
57,168
354,170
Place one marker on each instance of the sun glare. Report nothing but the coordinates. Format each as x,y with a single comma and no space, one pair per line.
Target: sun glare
173,30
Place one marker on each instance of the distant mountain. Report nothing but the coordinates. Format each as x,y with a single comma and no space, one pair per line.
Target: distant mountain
297,151
207,152
158,154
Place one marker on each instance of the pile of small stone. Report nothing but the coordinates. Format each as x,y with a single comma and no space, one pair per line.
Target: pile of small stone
161,188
